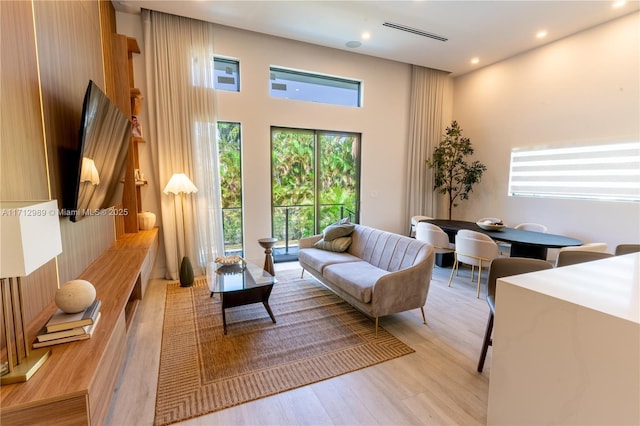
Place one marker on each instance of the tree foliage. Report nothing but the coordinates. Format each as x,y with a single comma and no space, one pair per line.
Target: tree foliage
453,175
296,154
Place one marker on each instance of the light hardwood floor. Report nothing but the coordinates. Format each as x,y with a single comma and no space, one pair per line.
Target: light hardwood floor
436,385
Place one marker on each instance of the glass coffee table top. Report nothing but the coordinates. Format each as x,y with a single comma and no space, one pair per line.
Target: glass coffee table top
240,284
236,277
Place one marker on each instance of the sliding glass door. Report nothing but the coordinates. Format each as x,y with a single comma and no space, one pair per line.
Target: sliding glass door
315,181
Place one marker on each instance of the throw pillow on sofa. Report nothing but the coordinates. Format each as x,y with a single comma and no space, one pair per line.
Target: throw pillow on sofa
338,245
337,230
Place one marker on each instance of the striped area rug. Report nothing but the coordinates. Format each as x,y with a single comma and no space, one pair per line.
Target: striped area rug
317,336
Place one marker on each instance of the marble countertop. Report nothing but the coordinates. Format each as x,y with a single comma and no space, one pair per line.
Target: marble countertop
611,286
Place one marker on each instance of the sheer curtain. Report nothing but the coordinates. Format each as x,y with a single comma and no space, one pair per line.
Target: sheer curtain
182,135
429,112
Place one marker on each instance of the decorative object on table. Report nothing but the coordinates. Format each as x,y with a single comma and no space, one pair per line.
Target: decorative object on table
146,220
29,239
229,260
452,175
75,296
267,244
60,320
491,224
180,184
66,336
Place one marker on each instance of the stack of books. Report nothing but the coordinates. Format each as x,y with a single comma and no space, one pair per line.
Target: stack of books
64,328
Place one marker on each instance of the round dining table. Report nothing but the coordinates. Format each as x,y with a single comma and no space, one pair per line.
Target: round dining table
523,243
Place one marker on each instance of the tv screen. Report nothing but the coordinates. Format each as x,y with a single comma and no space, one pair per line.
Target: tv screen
102,154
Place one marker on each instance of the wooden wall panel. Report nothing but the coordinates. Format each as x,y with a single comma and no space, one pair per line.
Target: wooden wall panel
40,119
80,248
108,30
70,54
23,175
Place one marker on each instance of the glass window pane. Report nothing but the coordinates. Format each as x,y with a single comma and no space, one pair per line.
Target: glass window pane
229,153
227,74
306,86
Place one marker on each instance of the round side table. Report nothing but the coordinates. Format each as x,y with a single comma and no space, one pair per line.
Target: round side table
267,244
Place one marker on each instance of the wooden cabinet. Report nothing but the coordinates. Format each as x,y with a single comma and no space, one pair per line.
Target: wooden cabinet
74,386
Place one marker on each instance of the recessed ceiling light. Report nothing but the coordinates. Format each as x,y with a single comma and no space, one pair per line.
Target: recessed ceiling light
541,34
365,35
618,4
475,60
353,44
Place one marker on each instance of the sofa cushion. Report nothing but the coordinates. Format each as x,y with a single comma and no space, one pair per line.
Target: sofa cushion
337,230
318,259
355,278
338,245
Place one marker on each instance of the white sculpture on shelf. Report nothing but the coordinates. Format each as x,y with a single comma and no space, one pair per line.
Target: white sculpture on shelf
75,296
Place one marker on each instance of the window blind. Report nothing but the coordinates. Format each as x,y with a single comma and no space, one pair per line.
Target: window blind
598,172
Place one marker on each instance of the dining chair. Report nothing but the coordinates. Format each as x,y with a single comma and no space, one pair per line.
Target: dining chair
589,247
571,257
627,249
435,236
599,247
499,268
473,248
414,223
529,226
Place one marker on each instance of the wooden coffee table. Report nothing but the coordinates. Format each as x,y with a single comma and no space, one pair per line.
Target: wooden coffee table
239,285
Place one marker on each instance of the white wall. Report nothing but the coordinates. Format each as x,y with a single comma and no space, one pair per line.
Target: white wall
382,121
582,89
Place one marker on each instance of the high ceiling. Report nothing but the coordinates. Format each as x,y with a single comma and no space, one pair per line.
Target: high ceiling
488,30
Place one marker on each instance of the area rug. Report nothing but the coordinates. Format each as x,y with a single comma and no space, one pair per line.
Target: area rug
317,336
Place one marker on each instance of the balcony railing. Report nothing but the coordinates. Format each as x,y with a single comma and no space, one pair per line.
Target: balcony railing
290,223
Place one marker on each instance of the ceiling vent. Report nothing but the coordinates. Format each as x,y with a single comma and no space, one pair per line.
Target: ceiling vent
414,31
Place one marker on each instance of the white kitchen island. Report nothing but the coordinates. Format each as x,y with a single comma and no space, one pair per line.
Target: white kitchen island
566,346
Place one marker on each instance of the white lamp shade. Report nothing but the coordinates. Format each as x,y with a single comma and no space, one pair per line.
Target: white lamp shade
89,171
29,236
180,183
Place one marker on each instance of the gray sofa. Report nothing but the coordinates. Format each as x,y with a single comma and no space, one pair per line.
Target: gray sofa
381,273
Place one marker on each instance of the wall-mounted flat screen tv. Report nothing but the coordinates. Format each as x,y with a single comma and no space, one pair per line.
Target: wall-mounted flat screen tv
101,156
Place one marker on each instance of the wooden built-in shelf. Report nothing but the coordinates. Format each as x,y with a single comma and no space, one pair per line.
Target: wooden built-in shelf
74,386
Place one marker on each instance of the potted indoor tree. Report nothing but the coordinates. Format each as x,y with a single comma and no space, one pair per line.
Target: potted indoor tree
453,175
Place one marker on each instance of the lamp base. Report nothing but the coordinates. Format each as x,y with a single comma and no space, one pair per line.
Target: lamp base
27,367
186,273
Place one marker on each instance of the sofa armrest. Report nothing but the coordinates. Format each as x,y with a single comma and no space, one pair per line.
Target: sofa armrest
403,290
308,242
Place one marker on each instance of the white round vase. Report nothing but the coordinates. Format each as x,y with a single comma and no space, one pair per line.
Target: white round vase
146,220
75,296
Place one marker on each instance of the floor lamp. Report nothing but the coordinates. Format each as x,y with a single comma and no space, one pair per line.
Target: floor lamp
180,184
29,238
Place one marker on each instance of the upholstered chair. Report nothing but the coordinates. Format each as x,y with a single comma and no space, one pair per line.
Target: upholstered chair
528,226
414,223
504,267
627,249
569,259
435,236
474,249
